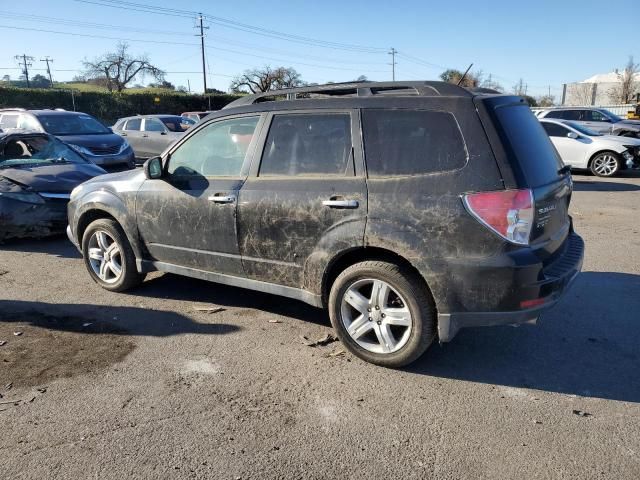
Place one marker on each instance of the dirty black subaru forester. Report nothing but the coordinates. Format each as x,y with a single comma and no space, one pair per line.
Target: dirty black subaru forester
408,209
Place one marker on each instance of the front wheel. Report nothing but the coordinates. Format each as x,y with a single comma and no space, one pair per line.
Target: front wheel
605,164
108,256
382,313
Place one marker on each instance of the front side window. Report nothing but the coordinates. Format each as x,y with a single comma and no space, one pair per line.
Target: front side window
307,145
555,130
595,116
177,124
217,150
153,125
411,142
133,124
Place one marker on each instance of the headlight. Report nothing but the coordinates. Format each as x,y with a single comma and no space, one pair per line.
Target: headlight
124,146
75,192
80,149
627,155
633,149
27,197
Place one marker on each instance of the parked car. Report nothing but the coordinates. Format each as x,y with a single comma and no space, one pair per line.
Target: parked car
408,210
37,174
79,130
580,147
150,135
197,116
597,119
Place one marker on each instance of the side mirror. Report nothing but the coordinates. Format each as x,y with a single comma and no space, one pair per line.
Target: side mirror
164,132
153,168
573,135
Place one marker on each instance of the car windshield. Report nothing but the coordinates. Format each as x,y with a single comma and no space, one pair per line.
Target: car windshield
583,130
36,151
177,124
612,116
72,124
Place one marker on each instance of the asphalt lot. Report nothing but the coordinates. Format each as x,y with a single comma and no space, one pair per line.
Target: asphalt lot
145,385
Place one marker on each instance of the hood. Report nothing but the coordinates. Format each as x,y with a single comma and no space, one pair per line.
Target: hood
52,178
130,177
618,140
632,123
103,140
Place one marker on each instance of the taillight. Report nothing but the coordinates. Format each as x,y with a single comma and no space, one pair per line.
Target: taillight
509,213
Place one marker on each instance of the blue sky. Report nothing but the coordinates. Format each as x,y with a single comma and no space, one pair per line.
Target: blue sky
546,43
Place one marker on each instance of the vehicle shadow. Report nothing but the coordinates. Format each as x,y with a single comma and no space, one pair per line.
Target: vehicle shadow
99,319
57,245
176,287
587,345
595,186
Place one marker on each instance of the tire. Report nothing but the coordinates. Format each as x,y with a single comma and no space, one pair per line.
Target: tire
404,292
605,164
98,243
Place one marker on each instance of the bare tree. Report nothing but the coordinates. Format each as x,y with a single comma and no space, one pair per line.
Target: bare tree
546,101
119,68
265,79
520,88
628,78
473,79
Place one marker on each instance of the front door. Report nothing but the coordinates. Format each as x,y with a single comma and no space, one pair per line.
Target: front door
572,150
305,200
188,217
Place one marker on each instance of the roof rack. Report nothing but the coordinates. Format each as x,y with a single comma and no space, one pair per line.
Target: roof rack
355,89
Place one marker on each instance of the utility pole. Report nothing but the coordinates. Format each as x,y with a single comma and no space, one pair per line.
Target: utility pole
393,52
204,69
47,60
25,64
189,85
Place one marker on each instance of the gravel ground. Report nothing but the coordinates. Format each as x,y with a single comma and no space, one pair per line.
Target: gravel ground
145,385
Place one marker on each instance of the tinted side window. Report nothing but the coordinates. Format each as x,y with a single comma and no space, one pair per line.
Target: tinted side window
153,125
555,114
219,149
411,142
133,124
554,130
314,144
9,121
572,115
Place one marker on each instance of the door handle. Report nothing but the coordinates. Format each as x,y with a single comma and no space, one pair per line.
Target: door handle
123,134
338,202
145,135
222,198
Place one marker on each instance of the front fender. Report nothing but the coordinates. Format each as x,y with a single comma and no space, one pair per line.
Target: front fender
122,210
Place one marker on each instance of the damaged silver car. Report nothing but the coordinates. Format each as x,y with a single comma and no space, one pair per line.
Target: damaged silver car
37,174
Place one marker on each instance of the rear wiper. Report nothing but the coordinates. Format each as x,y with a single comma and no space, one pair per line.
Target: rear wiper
565,169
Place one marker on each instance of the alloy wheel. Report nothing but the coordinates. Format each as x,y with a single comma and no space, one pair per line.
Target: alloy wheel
605,165
105,257
376,316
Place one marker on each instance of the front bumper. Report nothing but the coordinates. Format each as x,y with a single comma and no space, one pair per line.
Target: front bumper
551,282
23,219
115,163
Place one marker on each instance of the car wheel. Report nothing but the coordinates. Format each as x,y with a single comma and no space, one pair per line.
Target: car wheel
605,164
382,313
108,256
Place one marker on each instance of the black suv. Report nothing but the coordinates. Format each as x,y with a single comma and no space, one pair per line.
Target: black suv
409,210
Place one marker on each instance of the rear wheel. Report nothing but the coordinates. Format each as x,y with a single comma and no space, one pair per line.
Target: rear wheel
605,164
108,256
382,313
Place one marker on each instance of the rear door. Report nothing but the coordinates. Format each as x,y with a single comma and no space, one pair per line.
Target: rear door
305,200
131,131
533,163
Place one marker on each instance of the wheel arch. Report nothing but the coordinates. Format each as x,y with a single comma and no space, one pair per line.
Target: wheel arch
606,150
360,254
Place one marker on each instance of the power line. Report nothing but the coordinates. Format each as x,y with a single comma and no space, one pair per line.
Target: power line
145,8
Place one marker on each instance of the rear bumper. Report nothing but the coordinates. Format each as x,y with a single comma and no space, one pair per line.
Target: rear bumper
548,286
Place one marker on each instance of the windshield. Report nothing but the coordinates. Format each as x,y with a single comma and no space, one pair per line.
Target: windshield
583,130
36,151
612,116
71,124
177,124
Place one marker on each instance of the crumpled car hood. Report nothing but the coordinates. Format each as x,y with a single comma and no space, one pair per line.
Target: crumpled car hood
99,140
52,178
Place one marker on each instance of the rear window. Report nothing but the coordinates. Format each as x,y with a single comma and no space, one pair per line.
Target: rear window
529,144
411,142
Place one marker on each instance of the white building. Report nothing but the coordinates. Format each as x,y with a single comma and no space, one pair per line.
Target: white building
597,90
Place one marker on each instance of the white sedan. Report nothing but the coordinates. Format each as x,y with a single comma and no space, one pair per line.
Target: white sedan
579,147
